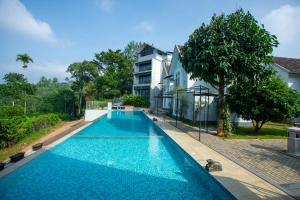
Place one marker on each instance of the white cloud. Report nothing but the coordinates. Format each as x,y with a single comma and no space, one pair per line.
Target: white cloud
284,22
14,16
145,27
106,5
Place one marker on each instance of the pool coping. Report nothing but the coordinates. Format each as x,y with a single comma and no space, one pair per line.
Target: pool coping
202,162
189,156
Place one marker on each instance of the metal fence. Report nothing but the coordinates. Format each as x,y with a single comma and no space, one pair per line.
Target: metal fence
95,105
193,105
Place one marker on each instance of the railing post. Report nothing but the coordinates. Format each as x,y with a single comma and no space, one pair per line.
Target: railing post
200,113
176,107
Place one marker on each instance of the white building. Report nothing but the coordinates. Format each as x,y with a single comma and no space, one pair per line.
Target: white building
289,70
148,71
178,78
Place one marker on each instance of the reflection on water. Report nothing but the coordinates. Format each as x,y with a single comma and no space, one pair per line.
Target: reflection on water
153,145
109,114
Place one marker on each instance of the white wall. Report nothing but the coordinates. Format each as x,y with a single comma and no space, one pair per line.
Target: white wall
91,115
293,80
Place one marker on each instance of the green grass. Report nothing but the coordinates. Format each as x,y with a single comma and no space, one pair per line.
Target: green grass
30,139
270,130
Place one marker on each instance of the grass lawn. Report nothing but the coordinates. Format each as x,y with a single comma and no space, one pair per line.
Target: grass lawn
270,130
5,153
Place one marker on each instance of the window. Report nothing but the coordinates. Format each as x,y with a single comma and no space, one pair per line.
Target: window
143,91
144,67
144,79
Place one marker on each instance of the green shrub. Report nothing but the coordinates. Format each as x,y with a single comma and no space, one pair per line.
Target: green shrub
16,128
67,117
9,131
135,100
11,111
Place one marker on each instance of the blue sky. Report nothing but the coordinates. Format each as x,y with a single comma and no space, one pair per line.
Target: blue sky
57,33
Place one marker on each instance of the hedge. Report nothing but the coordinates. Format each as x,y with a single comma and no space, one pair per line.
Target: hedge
134,100
14,129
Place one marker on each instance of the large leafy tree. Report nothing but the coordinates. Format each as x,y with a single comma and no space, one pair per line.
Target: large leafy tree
117,72
25,59
82,73
16,88
55,96
230,46
270,99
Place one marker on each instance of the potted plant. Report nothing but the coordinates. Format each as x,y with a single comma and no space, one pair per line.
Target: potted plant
37,146
16,157
2,166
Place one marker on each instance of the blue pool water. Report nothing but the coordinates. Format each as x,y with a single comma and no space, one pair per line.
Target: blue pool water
123,155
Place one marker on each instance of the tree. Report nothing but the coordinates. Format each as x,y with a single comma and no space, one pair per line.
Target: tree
25,59
270,99
132,49
82,73
117,72
230,46
16,87
55,96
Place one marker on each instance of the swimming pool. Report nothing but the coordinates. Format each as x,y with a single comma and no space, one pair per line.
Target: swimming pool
123,155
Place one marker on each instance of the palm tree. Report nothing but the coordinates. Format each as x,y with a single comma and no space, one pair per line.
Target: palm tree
25,59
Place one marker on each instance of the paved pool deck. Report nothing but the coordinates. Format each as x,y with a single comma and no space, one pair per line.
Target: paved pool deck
239,181
267,158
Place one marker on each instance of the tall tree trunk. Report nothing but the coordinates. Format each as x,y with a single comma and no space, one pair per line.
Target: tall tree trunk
220,130
258,125
80,100
25,104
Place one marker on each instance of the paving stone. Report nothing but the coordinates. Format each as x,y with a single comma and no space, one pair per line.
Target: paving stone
266,157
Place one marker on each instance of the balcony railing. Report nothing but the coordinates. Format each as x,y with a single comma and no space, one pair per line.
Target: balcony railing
144,82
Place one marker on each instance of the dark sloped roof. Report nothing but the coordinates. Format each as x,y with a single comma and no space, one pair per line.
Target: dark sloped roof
151,46
180,48
291,64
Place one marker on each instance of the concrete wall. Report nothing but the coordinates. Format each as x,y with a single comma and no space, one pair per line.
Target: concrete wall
91,115
155,80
